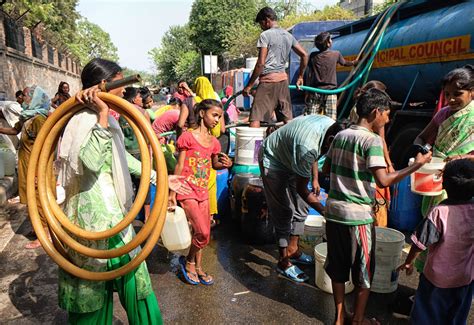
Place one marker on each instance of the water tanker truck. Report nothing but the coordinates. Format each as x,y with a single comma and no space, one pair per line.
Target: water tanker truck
424,41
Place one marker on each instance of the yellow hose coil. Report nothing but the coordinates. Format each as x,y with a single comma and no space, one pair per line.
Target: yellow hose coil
40,169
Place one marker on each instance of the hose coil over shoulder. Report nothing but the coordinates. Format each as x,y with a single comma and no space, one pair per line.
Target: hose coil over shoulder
40,194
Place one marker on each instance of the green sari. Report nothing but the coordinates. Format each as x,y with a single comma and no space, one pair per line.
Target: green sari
455,137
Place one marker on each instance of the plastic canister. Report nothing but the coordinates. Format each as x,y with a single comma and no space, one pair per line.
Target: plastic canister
322,279
176,235
428,180
388,251
9,161
248,143
2,165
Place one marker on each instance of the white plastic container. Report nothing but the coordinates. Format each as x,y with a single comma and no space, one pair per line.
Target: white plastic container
9,161
322,279
388,251
428,180
250,62
176,235
248,143
2,164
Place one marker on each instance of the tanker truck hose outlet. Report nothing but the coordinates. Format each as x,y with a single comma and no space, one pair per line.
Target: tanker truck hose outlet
40,194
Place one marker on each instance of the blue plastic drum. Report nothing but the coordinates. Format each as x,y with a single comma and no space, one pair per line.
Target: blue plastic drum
222,181
405,207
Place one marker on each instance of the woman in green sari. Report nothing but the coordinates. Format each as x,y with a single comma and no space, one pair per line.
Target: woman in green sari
95,172
451,131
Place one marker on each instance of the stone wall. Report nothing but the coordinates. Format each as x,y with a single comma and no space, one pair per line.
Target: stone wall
20,68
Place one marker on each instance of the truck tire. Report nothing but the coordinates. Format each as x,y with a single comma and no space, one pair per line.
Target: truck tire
401,147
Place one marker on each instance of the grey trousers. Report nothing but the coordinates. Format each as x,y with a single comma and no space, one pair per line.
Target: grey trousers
287,208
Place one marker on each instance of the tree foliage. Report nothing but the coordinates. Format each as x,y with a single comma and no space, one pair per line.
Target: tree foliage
91,41
176,58
211,21
60,24
381,7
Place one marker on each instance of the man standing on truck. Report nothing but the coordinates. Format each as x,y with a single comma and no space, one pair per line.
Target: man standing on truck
272,94
322,74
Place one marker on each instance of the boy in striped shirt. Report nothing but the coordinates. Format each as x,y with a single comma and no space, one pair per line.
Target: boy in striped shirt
356,163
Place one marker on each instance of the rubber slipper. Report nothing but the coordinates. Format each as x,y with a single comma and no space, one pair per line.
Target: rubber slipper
203,281
304,259
182,264
293,273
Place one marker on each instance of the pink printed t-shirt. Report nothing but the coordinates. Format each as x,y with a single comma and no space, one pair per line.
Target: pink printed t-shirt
197,165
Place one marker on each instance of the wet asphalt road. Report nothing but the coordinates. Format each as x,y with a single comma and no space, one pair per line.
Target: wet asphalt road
247,290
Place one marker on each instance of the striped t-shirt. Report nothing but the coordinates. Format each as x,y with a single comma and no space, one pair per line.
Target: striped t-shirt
352,193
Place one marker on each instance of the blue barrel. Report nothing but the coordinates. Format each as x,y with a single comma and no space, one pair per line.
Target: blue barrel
222,181
152,193
405,207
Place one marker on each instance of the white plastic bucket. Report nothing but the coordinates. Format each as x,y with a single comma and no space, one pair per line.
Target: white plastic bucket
314,230
322,279
248,143
428,180
388,251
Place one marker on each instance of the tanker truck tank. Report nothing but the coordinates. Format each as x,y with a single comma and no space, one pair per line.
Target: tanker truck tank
425,40
418,49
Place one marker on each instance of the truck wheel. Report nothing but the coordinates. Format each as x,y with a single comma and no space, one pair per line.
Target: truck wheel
401,147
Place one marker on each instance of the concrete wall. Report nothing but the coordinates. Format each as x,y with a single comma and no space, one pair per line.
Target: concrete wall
20,69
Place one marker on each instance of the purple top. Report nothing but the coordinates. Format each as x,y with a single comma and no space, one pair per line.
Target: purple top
448,231
442,115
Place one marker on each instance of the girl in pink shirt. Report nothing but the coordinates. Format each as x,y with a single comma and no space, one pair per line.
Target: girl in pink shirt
444,294
198,152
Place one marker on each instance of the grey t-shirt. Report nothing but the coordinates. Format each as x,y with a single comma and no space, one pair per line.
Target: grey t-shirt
279,43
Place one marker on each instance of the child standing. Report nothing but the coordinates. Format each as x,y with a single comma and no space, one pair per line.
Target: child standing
321,73
198,152
444,294
356,163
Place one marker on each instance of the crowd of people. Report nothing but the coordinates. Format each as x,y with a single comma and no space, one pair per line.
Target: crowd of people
100,168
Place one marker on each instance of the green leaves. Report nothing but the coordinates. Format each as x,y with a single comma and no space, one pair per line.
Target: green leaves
62,26
176,58
212,22
91,41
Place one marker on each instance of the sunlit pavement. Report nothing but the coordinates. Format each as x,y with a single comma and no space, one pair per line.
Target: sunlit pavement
247,289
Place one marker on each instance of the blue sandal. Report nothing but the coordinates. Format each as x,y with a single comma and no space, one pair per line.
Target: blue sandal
304,259
202,279
293,273
182,264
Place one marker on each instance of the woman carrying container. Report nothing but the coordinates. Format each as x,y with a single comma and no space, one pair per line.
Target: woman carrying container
451,131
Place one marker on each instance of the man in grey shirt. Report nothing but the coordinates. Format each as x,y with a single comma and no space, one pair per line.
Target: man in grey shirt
272,93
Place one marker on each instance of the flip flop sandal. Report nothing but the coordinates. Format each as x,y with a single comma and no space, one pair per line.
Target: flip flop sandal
182,264
294,274
304,259
202,279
